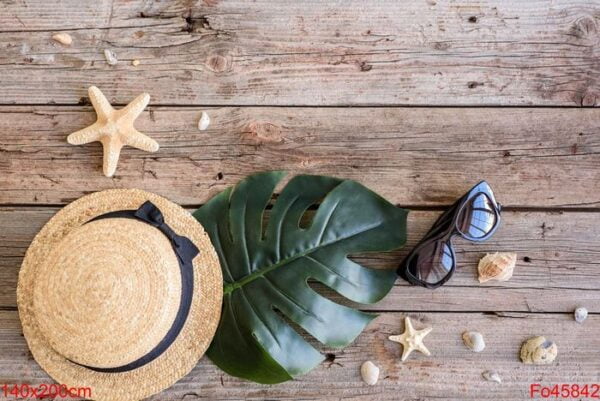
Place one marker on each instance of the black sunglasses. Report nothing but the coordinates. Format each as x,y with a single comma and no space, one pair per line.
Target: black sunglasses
475,217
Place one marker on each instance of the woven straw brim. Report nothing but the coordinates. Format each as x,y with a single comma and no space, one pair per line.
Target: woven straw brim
191,343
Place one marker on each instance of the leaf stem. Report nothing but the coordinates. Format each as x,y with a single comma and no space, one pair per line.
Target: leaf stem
230,287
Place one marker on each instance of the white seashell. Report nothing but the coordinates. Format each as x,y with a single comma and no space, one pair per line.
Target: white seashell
204,121
538,351
580,314
369,373
135,63
63,38
474,340
496,266
492,376
111,57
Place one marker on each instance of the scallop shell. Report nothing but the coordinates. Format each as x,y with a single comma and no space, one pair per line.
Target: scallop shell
497,266
474,340
580,314
492,376
538,351
370,373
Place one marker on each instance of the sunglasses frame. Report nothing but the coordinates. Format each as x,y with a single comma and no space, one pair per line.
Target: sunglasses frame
446,236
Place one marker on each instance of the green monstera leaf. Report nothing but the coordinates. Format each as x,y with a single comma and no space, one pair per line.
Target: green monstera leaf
267,269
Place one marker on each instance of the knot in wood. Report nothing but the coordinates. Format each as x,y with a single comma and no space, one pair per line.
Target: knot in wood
261,131
583,28
217,63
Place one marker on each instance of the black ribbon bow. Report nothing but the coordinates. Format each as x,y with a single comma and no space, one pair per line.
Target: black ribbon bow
186,251
184,248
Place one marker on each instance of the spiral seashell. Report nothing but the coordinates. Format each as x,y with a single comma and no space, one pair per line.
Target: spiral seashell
204,121
538,351
63,38
497,266
111,57
370,373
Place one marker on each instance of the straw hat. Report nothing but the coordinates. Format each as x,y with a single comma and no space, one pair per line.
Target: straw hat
114,298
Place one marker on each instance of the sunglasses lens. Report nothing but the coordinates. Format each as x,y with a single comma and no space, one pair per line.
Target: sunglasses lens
477,218
432,263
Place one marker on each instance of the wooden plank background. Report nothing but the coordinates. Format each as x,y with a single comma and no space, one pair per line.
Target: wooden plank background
310,52
452,373
419,155
416,100
557,267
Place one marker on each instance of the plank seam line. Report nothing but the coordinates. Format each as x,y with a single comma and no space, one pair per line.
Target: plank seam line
492,313
496,313
328,106
403,284
413,208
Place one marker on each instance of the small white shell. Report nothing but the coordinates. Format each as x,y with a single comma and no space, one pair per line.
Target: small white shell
538,351
497,266
204,121
369,373
111,57
474,340
492,376
580,314
63,38
135,63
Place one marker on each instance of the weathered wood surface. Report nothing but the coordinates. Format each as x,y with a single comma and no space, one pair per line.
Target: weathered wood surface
451,372
223,56
556,272
419,156
305,53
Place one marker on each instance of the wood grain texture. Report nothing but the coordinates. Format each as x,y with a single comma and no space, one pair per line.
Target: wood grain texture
411,156
271,74
557,268
358,52
452,372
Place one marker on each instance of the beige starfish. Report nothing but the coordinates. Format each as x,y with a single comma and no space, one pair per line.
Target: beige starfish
114,129
411,339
